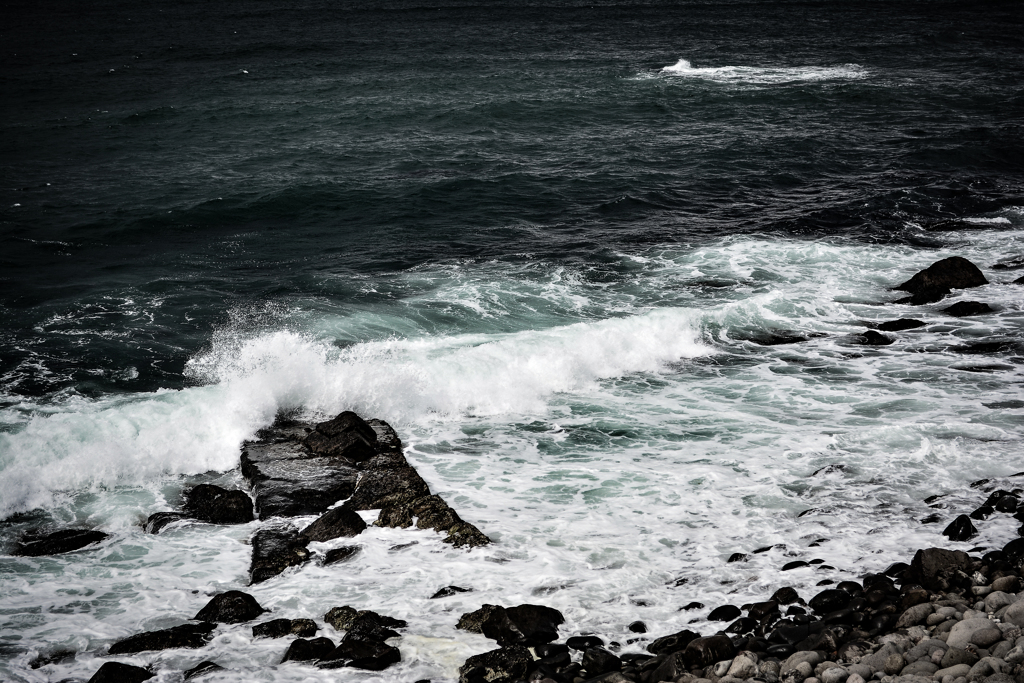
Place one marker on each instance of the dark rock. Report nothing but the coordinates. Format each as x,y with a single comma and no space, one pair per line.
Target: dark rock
63,541
548,650
335,523
201,669
188,635
781,650
279,628
597,661
1013,552
796,564
375,486
1007,504
901,324
933,518
872,338
231,607
777,339
962,309
583,643
937,569
742,625
760,610
1018,281
465,535
116,672
707,651
158,520
677,642
357,653
217,505
336,555
982,513
737,557
960,529
785,596
1011,264
795,610
692,605
473,621
287,480
829,601
724,613
449,590
936,281
346,436
372,627
274,550
346,618
503,665
54,657
524,625
638,627
341,618
302,650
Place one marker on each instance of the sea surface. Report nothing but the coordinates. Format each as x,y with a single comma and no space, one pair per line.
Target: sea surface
550,243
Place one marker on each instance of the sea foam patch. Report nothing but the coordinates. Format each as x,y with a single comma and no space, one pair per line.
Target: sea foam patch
765,75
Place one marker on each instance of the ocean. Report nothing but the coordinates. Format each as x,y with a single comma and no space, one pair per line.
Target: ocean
555,246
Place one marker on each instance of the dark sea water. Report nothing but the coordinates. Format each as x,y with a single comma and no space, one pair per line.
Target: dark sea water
542,240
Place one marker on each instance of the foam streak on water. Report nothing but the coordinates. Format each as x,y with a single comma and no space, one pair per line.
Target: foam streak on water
618,439
766,75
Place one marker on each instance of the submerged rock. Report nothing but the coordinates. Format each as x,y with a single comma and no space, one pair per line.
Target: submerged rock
201,669
901,324
58,542
218,505
448,591
302,650
962,309
231,607
187,635
936,281
872,338
274,550
158,520
279,628
336,555
116,672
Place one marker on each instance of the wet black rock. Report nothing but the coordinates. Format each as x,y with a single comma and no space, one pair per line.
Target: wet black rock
785,596
158,520
692,605
302,650
53,657
449,591
962,309
188,635
231,607
201,669
356,653
1007,504
597,661
960,529
938,569
473,621
707,651
345,618
676,642
523,625
872,338
372,627
982,513
378,485
901,324
829,600
347,436
430,512
336,555
279,628
936,281
795,564
737,557
637,627
274,550
116,672
1013,552
218,505
335,523
548,650
583,643
503,665
63,541
724,613
288,480
759,610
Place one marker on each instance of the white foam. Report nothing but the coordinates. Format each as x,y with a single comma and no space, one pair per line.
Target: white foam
766,75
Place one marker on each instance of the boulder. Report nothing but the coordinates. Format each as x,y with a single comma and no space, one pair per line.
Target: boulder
217,505
669,667
158,520
597,661
345,618
201,669
744,665
523,625
724,613
58,542
1014,614
873,338
962,309
372,627
347,436
279,628
231,607
914,615
503,665
957,655
188,635
901,324
340,554
361,654
376,485
785,596
961,634
116,672
302,650
938,569
583,643
473,621
829,600
708,650
936,281
960,529
448,591
275,549
335,523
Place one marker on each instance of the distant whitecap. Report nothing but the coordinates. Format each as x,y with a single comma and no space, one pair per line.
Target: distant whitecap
765,75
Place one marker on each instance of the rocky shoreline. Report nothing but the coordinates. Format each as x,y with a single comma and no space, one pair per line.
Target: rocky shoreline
945,616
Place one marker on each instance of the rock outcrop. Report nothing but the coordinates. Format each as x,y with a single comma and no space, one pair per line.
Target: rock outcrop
937,280
58,542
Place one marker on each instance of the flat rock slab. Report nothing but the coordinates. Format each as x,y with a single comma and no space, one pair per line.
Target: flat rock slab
63,541
188,635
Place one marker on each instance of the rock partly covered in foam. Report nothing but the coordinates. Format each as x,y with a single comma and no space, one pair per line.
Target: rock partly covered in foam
58,542
187,636
231,607
937,280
